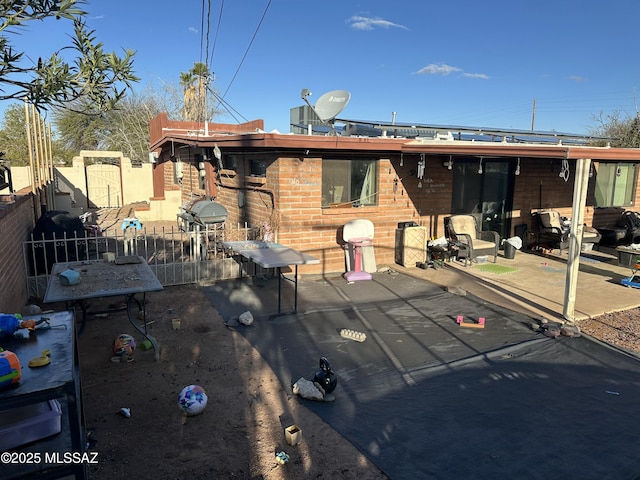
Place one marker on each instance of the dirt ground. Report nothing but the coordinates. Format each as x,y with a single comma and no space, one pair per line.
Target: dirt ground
240,430
242,427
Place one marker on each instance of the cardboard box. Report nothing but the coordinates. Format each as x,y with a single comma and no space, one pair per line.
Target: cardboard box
22,425
293,434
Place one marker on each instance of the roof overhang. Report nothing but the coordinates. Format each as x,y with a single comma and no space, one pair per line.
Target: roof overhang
387,145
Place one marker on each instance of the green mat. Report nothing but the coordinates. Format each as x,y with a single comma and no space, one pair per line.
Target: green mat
495,268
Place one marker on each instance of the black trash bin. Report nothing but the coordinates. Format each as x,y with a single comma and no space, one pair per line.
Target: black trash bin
509,251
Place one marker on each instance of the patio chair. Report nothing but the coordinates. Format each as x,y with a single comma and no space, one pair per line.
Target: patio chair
464,230
630,221
549,229
551,233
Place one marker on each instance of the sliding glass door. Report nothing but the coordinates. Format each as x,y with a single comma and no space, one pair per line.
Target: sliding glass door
484,187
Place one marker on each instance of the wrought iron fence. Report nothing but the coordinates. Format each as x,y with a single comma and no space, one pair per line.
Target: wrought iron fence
176,257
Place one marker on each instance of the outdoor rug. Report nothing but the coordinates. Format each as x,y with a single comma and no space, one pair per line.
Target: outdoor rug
426,398
494,268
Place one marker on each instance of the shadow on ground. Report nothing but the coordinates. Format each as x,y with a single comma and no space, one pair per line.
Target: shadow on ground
424,397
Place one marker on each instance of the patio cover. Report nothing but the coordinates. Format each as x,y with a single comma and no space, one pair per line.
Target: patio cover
424,397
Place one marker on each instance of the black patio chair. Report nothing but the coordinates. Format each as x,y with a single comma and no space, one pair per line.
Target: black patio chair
464,230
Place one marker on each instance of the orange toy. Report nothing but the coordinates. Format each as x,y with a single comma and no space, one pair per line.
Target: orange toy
10,371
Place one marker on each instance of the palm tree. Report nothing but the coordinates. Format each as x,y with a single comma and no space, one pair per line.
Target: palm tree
194,84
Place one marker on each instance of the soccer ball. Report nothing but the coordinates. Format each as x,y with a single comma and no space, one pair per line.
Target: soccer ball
192,400
124,344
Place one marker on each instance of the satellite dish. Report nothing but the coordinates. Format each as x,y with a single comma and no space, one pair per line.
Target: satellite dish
328,106
331,104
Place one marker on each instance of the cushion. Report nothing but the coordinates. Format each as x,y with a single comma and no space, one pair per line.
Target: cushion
550,219
482,244
464,224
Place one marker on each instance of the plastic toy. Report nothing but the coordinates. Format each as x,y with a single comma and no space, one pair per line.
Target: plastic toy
124,344
9,324
192,400
10,371
634,280
325,376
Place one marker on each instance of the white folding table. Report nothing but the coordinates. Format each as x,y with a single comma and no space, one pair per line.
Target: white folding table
273,255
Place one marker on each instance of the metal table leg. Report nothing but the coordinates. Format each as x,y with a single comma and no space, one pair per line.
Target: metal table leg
130,300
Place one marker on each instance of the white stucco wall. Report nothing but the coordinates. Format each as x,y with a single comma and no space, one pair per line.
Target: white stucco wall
71,185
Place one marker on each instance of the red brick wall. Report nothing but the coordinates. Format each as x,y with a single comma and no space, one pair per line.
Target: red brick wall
16,223
258,196
296,183
303,224
164,178
540,186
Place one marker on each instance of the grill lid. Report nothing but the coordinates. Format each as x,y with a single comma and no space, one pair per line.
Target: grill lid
206,211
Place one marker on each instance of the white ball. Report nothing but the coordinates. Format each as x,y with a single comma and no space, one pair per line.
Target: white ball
192,400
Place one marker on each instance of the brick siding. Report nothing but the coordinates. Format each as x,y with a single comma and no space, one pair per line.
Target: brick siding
17,220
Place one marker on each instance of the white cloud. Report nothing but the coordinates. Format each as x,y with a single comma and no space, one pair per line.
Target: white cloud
476,75
438,69
192,30
369,23
577,78
444,70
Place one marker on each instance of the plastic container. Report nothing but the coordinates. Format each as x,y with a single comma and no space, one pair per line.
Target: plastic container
509,251
293,434
9,324
586,247
22,425
627,256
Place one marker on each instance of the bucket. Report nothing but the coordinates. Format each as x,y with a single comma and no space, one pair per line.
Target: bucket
509,251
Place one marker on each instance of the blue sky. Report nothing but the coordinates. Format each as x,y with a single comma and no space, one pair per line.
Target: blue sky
446,63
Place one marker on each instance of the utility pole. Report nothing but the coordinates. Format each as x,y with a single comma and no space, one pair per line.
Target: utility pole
533,114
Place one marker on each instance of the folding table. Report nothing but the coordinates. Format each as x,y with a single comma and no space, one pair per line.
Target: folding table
127,276
272,255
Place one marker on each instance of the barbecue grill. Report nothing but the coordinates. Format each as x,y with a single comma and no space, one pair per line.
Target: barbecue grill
202,212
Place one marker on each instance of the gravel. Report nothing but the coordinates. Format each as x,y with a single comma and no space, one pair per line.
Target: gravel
621,329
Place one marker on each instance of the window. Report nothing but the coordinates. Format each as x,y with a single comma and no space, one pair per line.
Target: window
349,183
230,162
615,184
259,168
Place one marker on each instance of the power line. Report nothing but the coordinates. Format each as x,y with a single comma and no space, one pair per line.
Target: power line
228,107
215,40
248,48
202,31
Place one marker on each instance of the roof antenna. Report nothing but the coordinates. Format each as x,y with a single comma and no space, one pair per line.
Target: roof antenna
328,105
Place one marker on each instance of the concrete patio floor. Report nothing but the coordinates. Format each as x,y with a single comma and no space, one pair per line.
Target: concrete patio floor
537,287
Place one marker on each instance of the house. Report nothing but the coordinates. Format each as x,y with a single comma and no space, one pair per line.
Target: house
304,188
301,189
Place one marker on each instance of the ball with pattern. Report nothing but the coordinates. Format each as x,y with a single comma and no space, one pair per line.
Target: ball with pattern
124,344
192,400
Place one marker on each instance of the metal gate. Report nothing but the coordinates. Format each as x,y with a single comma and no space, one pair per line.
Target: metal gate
176,257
